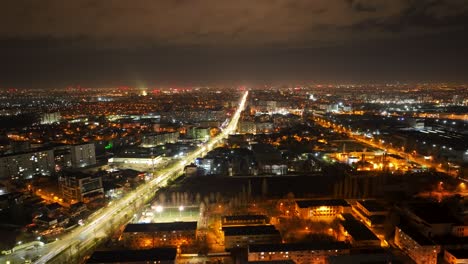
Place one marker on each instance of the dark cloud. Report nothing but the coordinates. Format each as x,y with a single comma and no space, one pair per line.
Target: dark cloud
227,23
97,42
421,17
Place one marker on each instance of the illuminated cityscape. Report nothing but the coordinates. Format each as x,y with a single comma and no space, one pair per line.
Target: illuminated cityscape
249,132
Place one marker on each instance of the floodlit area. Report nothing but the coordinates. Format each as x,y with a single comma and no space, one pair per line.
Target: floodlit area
158,214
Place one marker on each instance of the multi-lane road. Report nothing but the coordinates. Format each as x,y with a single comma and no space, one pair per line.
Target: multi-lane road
75,245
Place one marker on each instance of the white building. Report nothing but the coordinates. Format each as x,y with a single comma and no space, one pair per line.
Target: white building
83,155
415,245
156,139
50,118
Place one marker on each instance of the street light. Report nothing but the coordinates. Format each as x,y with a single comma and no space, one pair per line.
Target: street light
181,208
463,186
159,210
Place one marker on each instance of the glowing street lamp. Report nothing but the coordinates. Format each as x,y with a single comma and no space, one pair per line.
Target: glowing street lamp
159,210
462,186
181,208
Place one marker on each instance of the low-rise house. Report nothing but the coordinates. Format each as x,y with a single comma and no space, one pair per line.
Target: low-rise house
299,253
357,233
322,209
417,246
242,236
371,212
244,220
144,236
155,255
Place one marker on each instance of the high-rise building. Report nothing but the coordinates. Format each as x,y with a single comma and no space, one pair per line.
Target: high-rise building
25,165
81,187
50,118
156,139
83,155
199,132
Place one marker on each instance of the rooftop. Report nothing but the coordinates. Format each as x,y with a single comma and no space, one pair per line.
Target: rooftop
121,256
77,205
458,253
415,235
244,217
356,229
53,206
325,202
31,151
161,227
318,245
432,213
250,230
372,205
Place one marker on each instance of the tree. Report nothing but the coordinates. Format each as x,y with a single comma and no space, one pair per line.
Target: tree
162,198
264,187
173,198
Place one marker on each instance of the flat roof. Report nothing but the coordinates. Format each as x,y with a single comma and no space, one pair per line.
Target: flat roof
161,227
118,256
432,213
321,202
244,217
318,245
250,230
458,253
367,258
451,241
53,206
372,205
415,235
356,229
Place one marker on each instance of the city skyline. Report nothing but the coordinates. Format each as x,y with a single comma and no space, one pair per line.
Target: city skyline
234,132
93,44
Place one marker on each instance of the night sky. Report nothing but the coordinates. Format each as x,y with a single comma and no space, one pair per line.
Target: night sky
149,43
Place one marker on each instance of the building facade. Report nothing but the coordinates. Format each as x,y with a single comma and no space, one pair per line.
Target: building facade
144,236
242,236
322,210
156,139
83,155
370,212
81,188
25,165
156,255
415,245
311,253
244,220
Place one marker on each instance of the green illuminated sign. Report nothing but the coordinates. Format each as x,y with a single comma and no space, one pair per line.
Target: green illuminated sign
109,146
